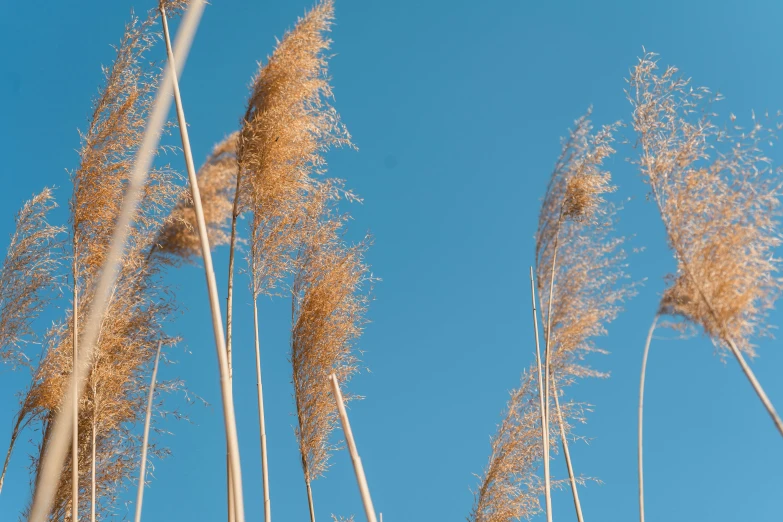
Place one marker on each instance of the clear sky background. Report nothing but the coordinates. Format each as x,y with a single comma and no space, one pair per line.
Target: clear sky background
457,109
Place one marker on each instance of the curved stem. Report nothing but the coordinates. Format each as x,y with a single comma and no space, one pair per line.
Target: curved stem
544,423
567,454
14,435
229,416
641,415
145,439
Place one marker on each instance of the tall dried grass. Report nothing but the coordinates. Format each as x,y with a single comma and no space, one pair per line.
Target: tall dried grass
719,199
582,262
129,233
328,316
288,125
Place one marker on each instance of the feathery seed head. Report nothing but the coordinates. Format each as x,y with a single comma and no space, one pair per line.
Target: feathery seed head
28,277
328,318
178,239
719,199
510,487
575,235
288,126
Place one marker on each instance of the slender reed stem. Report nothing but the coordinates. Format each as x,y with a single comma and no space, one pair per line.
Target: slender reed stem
145,440
547,340
225,378
230,327
310,501
364,490
229,489
92,469
75,434
261,421
567,453
544,423
14,435
641,415
756,386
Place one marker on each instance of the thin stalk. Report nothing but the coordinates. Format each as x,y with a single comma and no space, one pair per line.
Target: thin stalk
230,327
220,342
756,386
567,454
145,440
14,435
310,501
92,470
361,480
641,415
548,337
544,423
229,489
75,433
261,421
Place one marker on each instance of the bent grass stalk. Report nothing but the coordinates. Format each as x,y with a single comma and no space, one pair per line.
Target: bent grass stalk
228,406
641,416
145,440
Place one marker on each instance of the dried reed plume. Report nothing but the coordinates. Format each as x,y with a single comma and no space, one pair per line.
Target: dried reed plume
178,239
718,198
55,454
136,306
579,265
510,487
327,314
288,125
28,276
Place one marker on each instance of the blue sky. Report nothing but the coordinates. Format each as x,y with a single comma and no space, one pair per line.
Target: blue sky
457,109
